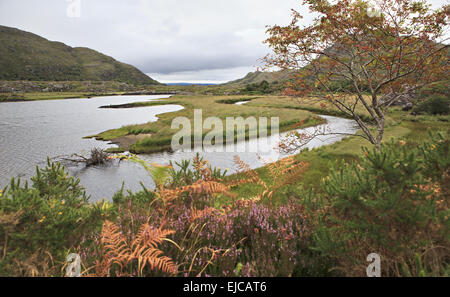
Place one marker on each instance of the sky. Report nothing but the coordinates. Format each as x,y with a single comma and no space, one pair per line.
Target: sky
202,41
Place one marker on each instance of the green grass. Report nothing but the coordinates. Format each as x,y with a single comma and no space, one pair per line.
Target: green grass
143,104
310,104
211,106
236,100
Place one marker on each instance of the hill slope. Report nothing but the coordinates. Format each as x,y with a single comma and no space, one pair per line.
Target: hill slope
259,76
27,56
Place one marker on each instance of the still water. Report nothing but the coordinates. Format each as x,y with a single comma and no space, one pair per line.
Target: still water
31,131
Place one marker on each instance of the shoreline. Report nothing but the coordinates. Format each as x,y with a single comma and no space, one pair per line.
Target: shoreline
81,95
125,142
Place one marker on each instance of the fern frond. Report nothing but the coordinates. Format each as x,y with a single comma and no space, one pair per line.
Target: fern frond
198,214
145,249
115,244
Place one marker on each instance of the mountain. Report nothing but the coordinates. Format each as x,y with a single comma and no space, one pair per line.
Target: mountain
259,76
190,84
27,56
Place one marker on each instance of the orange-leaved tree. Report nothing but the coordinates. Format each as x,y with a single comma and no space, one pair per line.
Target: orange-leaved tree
380,50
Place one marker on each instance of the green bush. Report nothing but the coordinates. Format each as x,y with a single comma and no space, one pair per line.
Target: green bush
434,104
258,88
394,203
38,224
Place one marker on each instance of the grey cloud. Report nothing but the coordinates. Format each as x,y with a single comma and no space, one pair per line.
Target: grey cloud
192,62
162,36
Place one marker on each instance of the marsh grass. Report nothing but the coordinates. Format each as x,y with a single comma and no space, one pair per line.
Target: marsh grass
211,106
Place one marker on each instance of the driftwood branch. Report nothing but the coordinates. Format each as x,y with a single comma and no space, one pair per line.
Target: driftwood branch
97,156
294,141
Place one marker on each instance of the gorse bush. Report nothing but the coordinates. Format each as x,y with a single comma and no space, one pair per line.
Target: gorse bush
183,173
436,161
394,203
39,223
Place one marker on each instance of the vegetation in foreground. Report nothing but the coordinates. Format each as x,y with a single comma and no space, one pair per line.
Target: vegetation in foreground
265,222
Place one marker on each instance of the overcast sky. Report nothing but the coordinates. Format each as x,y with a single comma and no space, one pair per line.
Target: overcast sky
171,40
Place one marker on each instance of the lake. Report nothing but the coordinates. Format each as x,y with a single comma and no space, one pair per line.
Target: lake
31,131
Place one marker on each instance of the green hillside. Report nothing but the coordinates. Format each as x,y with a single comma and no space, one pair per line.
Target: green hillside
27,56
260,76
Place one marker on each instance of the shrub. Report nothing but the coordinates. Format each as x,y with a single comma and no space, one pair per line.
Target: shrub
38,224
434,104
257,88
249,240
213,235
184,173
394,203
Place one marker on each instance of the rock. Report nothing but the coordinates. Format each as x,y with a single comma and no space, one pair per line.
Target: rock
408,106
405,100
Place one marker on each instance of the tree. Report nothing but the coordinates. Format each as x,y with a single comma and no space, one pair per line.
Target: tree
382,49
255,88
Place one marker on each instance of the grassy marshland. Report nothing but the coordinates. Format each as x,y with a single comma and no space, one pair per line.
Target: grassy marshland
211,106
